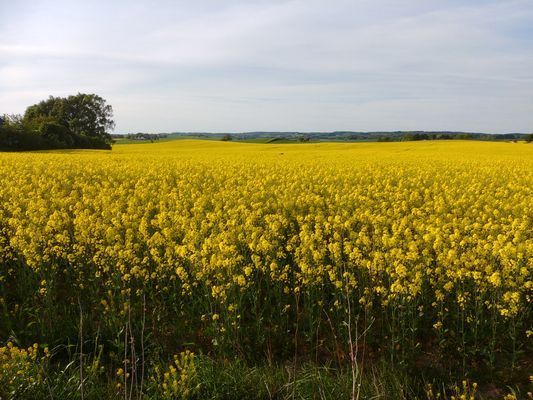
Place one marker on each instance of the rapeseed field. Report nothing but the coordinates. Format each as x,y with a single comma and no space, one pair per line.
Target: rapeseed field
138,261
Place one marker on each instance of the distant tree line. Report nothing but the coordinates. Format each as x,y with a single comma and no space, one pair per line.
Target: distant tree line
453,136
425,136
142,136
81,121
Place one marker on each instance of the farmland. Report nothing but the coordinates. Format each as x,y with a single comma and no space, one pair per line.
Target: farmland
144,266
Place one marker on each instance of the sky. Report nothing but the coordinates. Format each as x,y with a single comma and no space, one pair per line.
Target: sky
277,65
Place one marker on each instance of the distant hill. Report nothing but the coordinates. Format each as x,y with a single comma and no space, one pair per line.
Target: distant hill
351,136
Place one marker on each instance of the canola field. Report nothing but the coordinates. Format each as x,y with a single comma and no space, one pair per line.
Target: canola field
417,253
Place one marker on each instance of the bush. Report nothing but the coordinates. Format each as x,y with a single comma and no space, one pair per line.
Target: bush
49,136
12,138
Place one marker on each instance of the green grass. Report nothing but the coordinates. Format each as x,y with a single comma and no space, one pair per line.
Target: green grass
232,379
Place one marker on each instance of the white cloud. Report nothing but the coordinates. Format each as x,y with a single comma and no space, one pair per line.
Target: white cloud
279,65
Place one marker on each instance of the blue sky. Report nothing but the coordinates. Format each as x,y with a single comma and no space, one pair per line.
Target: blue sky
231,65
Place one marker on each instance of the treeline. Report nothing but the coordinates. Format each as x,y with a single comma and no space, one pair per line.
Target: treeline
79,121
141,136
455,136
354,136
426,136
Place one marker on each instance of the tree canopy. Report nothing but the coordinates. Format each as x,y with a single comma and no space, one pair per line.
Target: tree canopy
76,121
82,114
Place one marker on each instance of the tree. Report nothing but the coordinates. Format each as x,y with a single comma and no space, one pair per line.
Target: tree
57,135
83,115
227,138
11,120
13,135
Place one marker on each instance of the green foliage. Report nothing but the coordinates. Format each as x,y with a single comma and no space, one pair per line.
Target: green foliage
20,372
191,377
80,121
56,134
82,114
16,138
179,380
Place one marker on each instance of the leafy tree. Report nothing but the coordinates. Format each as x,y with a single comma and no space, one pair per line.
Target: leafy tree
82,114
227,138
78,121
57,135
11,120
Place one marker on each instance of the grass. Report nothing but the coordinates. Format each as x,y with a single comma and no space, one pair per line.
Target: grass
205,378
